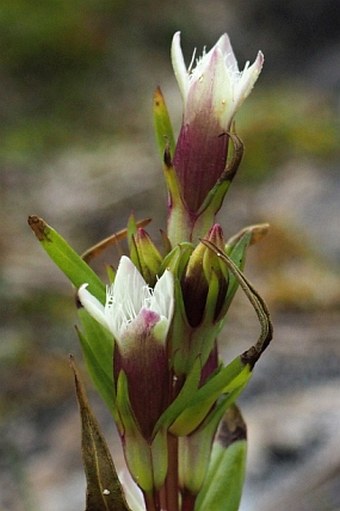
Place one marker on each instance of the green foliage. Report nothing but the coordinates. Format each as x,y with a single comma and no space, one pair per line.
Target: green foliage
97,346
162,124
223,486
63,255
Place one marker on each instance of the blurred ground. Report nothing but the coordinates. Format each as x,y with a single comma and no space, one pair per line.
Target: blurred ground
77,148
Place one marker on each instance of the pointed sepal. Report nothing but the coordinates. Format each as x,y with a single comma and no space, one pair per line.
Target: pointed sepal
212,203
162,124
222,489
148,257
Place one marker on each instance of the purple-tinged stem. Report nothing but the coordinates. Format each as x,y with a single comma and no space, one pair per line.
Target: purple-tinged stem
188,501
171,483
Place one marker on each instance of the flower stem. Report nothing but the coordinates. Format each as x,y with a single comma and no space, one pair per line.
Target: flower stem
151,502
188,501
172,477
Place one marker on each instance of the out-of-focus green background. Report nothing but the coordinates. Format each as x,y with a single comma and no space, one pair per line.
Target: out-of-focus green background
77,147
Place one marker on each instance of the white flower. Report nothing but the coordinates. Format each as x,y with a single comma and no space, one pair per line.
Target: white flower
215,83
132,308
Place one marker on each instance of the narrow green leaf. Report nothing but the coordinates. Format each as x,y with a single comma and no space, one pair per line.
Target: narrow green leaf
97,346
70,263
195,449
184,397
238,256
252,355
231,380
162,124
222,488
101,341
104,491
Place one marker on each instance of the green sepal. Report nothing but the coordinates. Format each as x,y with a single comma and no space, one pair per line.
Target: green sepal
179,335
147,459
211,301
226,478
222,488
149,258
104,491
230,380
162,124
195,449
70,263
211,205
179,220
159,457
187,343
177,260
237,254
181,402
236,248
111,274
214,199
97,345
136,449
131,232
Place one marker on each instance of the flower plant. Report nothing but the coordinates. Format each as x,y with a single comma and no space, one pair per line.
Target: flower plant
149,337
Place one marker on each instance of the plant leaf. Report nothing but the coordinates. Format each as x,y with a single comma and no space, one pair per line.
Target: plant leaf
252,355
184,397
70,263
97,345
162,124
230,380
104,491
238,256
222,488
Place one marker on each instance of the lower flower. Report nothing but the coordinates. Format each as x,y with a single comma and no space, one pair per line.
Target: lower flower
139,318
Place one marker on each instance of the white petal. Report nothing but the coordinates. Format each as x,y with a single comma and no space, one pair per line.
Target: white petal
179,66
162,300
228,53
92,305
129,287
125,297
132,493
247,79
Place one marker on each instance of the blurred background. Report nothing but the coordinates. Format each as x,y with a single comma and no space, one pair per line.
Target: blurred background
77,148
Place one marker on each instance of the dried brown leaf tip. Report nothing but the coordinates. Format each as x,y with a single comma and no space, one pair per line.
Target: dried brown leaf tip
38,226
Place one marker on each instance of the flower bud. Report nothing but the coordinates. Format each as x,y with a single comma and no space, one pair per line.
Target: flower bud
212,92
203,267
148,258
200,291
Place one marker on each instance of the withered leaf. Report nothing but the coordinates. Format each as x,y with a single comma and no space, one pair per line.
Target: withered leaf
104,491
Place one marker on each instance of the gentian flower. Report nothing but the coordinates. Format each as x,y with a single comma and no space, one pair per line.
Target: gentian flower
139,318
212,92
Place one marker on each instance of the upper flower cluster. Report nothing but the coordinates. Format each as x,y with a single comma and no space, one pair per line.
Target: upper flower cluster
212,92
215,84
